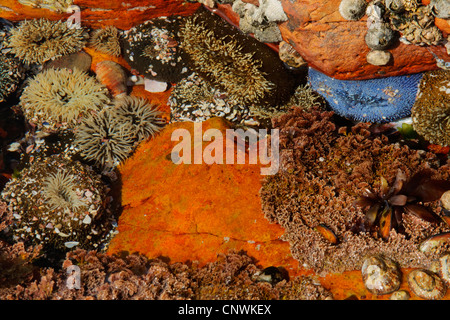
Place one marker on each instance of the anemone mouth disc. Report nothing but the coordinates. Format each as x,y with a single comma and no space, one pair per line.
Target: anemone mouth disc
375,100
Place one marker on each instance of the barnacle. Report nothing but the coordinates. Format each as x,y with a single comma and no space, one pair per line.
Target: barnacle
352,9
385,209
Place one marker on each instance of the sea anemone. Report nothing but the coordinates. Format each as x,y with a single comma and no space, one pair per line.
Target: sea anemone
39,40
431,111
57,203
106,40
11,72
144,118
375,100
60,96
238,64
104,139
152,49
386,209
59,191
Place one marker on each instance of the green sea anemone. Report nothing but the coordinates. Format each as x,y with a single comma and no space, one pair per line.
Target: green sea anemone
143,117
58,96
106,40
245,68
431,111
104,139
58,203
39,40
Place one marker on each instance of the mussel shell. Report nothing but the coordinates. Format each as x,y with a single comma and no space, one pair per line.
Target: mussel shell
426,284
381,275
327,233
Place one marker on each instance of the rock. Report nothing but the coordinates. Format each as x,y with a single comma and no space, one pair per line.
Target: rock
193,212
336,47
97,13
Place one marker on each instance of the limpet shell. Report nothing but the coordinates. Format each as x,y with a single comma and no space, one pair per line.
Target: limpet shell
426,284
379,57
441,267
381,275
400,295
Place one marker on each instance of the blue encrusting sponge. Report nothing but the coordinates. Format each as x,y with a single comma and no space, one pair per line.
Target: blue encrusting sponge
375,100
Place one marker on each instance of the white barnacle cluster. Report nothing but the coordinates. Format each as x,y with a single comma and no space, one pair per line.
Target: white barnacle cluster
261,20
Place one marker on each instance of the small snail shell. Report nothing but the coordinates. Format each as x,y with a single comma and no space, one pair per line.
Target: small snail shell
426,284
381,275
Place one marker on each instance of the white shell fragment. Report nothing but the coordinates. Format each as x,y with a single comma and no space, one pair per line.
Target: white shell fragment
71,244
87,219
155,86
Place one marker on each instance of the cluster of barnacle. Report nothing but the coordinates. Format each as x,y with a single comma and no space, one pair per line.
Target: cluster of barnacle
391,20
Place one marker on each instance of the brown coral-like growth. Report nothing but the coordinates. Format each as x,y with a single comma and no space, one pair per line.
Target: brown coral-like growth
323,168
135,277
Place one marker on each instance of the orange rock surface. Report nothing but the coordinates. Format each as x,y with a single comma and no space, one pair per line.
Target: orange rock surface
336,47
97,13
193,212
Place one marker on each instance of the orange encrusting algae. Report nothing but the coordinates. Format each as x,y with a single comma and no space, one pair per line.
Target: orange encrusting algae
193,212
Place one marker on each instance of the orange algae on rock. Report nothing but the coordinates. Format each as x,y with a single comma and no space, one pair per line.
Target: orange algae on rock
97,13
194,211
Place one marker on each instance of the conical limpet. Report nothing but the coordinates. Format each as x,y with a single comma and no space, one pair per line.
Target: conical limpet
426,284
381,275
